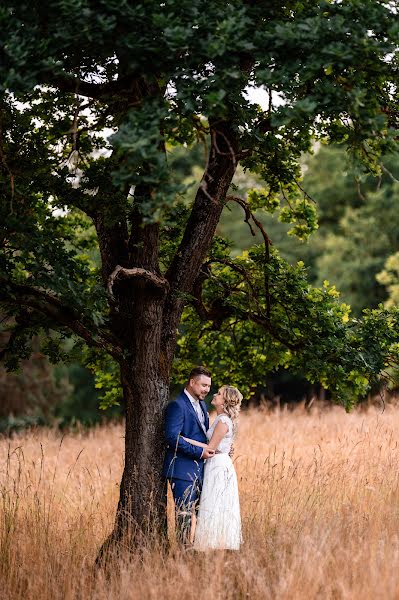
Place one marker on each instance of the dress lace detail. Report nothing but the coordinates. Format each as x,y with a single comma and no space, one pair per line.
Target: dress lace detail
219,521
227,441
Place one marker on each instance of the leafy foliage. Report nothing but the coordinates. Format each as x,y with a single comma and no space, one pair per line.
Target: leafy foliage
309,330
89,114
389,277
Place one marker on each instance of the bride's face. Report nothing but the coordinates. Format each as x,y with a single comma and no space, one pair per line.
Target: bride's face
218,399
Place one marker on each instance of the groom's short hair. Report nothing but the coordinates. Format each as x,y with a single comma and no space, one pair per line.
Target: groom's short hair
198,371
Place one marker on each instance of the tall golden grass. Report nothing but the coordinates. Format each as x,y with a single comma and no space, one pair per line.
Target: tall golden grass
320,506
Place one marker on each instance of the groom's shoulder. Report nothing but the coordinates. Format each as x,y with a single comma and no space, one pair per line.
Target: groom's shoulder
180,399
176,406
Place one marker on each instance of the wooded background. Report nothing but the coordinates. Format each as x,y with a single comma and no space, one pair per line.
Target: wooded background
356,248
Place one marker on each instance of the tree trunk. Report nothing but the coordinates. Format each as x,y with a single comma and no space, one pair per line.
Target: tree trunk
142,502
141,510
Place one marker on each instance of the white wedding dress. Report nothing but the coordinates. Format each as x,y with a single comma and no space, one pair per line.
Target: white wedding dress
218,520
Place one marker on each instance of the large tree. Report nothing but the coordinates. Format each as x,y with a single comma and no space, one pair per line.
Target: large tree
95,97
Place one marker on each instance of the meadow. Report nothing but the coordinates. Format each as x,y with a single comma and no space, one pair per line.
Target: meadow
319,496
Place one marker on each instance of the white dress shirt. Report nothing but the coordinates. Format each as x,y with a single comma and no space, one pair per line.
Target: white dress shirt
197,407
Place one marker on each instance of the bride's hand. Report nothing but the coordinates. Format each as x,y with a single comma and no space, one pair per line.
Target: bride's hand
208,452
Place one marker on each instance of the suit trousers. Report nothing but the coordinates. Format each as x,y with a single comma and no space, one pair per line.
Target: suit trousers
186,495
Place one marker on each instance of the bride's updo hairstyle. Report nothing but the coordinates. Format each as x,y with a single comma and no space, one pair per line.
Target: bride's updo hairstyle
232,399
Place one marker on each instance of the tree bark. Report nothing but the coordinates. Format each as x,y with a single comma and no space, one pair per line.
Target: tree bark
142,501
141,511
200,228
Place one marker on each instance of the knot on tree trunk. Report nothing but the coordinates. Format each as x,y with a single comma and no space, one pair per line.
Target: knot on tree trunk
123,273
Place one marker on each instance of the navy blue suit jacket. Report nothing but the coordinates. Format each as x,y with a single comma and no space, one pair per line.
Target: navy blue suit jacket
182,459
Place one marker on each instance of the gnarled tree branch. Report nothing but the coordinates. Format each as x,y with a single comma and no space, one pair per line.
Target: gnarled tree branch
126,87
219,311
122,273
201,226
249,214
24,295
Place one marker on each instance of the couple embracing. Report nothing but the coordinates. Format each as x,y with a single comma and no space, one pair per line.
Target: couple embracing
199,467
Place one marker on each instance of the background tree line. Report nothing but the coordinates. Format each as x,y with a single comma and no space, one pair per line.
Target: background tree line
356,248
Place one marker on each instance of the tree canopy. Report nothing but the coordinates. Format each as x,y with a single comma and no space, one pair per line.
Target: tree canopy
91,113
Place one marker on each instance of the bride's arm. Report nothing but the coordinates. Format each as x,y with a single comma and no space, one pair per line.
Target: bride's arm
218,434
194,442
220,431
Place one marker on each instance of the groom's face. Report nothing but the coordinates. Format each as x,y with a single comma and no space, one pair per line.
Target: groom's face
200,386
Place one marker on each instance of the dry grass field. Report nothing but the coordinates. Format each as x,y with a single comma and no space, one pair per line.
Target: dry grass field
320,505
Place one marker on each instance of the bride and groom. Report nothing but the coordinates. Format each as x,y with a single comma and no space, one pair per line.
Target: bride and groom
199,467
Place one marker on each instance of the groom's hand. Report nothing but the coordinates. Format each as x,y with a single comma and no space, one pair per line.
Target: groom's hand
208,453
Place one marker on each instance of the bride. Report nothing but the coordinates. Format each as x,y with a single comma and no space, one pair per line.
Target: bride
218,520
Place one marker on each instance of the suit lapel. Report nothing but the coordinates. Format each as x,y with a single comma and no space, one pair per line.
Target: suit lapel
188,401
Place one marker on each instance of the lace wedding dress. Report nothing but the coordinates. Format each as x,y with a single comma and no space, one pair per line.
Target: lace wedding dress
219,521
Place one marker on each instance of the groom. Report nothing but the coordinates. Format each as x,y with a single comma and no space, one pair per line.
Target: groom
187,416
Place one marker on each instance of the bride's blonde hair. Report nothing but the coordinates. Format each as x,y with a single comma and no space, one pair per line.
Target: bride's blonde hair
232,399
